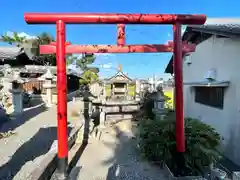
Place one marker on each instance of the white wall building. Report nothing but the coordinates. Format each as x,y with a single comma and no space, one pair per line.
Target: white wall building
211,78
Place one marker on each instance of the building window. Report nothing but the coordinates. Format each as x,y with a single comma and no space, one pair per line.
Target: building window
210,96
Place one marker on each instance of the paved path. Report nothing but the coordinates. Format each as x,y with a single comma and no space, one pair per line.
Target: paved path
114,157
36,134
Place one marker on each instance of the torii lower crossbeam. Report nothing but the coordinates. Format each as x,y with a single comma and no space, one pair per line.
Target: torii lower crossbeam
140,48
61,48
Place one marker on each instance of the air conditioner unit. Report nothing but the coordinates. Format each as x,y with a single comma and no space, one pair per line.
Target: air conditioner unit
187,59
211,75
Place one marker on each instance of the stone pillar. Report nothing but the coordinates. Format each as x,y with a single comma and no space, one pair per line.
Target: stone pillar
113,89
127,95
102,118
90,107
104,91
174,94
17,97
137,90
141,90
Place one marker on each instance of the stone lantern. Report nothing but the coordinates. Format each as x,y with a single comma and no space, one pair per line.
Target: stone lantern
159,100
17,93
48,78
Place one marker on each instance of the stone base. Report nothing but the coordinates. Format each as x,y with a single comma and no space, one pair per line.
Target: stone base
217,173
117,117
236,176
159,116
169,175
14,115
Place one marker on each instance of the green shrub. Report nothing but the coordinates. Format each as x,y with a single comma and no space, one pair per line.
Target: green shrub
108,90
157,142
168,95
131,90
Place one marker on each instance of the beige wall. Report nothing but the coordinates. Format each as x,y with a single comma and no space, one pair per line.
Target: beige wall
43,97
224,55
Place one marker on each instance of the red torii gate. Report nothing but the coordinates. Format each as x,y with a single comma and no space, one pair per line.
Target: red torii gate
61,47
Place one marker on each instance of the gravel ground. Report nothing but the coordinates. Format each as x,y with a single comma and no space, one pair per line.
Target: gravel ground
35,135
114,157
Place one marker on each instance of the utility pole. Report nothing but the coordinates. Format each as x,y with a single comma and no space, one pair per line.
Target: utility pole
154,82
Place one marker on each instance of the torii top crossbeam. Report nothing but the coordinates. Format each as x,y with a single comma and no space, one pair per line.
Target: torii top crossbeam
81,18
121,20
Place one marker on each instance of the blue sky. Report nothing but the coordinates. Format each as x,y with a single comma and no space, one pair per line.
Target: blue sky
136,65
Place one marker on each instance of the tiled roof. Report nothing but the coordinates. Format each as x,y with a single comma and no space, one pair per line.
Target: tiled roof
10,52
229,27
220,26
120,73
43,69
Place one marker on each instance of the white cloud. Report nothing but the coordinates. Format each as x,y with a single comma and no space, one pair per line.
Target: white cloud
106,66
104,54
168,41
105,60
21,34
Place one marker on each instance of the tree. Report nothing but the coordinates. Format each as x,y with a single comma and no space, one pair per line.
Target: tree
14,39
90,74
71,59
88,77
43,39
83,61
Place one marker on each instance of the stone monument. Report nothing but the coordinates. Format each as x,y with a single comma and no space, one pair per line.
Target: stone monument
138,89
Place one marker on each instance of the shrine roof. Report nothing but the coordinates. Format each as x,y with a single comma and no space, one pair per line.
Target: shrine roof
119,77
33,69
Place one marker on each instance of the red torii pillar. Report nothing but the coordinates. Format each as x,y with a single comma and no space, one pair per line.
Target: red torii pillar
61,48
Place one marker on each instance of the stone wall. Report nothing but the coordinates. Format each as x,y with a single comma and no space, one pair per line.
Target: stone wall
116,111
124,108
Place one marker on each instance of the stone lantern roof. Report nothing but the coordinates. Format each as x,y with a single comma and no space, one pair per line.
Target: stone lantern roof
17,78
47,75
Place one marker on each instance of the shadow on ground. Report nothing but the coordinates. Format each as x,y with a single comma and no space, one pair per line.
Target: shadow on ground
126,163
85,138
27,115
38,145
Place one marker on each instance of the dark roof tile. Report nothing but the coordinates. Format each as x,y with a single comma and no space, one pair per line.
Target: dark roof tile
10,52
229,27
